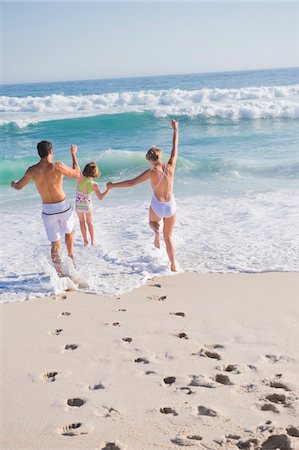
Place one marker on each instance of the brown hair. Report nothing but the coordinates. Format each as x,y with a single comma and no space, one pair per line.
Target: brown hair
154,153
44,148
91,170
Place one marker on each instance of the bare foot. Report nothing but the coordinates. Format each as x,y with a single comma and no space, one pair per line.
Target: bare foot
173,267
157,240
93,243
86,243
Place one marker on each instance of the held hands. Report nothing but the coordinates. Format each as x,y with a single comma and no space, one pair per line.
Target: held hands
12,184
109,186
74,149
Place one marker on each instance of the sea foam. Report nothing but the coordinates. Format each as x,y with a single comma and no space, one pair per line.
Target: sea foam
252,233
243,103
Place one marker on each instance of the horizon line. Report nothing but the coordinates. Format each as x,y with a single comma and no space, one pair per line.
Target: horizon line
150,76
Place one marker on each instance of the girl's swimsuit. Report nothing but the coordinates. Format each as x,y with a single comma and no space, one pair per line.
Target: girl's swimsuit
163,209
83,200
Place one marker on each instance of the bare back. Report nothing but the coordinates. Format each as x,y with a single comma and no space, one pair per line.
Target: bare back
162,177
48,178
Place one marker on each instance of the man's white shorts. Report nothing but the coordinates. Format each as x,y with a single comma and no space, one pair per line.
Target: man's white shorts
58,219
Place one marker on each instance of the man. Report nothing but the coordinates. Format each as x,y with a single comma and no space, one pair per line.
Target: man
57,212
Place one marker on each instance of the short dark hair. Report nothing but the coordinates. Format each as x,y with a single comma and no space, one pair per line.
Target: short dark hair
44,148
91,170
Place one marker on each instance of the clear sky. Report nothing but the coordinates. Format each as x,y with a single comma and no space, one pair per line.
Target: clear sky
53,41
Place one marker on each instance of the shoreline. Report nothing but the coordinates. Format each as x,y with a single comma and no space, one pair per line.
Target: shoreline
205,360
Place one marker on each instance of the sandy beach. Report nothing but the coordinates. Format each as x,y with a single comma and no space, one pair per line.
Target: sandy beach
207,361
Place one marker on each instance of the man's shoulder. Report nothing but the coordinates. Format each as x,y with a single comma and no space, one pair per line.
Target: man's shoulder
32,169
58,165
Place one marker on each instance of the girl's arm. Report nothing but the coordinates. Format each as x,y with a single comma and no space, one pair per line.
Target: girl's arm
174,151
99,194
129,183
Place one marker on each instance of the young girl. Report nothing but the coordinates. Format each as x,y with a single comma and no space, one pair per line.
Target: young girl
85,187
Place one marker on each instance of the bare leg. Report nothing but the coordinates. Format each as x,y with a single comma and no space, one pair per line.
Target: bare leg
55,255
155,226
69,240
81,216
167,232
90,226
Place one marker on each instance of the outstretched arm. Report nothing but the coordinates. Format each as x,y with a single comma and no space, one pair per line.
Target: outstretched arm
23,181
129,183
67,171
175,139
99,194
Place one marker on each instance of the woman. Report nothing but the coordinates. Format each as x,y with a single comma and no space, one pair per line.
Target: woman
163,204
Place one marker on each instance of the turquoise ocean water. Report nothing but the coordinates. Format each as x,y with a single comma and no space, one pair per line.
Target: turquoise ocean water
236,182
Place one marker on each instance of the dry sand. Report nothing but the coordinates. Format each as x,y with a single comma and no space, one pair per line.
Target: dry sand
209,361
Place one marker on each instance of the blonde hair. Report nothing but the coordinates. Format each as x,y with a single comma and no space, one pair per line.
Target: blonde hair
91,170
153,153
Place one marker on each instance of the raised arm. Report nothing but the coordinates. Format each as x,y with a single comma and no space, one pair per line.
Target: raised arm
129,183
73,172
175,139
23,181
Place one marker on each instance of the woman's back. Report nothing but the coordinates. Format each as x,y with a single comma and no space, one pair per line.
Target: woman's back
162,176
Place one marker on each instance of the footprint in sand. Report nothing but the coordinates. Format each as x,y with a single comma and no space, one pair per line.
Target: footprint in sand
96,387
181,442
56,332
275,359
70,347
127,339
167,410
276,384
185,441
203,411
194,437
75,402
64,314
230,368
251,443
277,441
49,376
157,298
201,381
157,285
279,399
111,446
209,353
116,324
233,437
59,296
186,390
269,407
169,380
122,310
182,336
293,431
141,360
74,429
249,388
150,372
180,314
223,379
110,411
